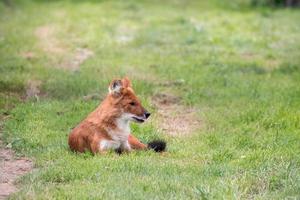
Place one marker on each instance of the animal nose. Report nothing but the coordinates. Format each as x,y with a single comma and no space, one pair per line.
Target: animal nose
147,114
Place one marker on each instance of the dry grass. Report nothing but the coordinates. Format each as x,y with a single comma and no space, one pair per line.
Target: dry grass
174,118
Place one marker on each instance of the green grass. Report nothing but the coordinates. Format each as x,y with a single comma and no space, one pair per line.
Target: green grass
241,68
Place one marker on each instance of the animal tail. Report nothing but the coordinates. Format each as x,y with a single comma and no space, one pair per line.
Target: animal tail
157,145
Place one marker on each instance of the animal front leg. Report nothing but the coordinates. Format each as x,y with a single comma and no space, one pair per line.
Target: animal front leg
135,143
125,147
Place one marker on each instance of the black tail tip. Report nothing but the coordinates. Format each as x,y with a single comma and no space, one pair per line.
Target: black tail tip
157,145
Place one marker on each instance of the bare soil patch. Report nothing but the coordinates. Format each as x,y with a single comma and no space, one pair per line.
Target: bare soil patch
173,117
248,56
11,168
28,55
73,63
33,89
48,41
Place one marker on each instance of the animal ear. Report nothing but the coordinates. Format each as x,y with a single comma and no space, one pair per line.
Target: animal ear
115,87
126,82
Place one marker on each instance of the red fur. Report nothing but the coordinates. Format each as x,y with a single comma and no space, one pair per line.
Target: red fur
101,124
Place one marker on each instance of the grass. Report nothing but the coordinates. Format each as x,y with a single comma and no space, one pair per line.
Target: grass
240,66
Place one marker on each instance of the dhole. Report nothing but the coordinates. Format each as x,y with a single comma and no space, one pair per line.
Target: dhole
108,128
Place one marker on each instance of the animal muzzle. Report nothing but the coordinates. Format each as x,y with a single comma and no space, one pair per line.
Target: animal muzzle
142,118
147,114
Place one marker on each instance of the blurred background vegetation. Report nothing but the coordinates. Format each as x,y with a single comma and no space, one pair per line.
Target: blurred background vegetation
277,3
287,3
234,63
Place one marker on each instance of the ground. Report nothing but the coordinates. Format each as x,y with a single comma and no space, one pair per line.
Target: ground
221,79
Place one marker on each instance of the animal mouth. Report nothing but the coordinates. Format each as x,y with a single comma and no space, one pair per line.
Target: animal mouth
138,119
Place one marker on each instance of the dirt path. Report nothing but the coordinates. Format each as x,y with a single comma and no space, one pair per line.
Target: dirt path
173,117
48,41
74,61
11,168
52,45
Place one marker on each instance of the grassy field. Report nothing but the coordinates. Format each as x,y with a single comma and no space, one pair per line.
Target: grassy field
239,66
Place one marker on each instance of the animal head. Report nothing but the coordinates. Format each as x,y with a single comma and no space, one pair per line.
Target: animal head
126,102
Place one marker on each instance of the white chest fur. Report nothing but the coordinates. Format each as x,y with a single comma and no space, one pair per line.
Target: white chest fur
119,135
122,131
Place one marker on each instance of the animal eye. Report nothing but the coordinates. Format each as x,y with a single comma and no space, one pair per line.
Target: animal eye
132,103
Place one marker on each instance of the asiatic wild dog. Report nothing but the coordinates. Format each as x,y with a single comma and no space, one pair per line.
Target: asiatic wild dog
108,128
